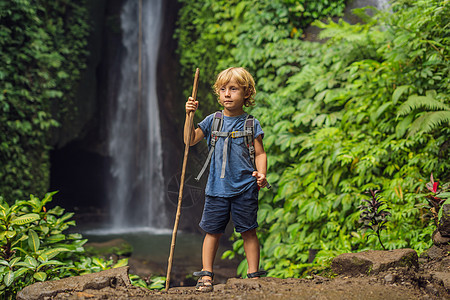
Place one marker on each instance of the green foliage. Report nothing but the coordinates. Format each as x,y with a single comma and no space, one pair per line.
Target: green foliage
35,247
43,50
335,132
336,124
216,34
33,244
437,196
427,120
152,283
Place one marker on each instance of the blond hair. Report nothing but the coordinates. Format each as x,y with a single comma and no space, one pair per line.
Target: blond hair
242,77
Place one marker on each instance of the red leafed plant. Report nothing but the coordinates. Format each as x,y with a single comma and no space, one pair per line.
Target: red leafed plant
436,197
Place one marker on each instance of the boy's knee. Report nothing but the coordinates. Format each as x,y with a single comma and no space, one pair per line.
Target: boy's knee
214,235
249,234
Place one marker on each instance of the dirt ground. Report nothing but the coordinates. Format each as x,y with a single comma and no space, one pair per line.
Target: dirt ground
319,288
427,278
403,286
396,283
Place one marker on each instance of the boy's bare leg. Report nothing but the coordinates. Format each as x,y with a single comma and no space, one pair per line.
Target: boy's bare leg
209,250
251,248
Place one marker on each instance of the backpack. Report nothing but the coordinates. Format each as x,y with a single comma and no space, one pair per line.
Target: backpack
248,133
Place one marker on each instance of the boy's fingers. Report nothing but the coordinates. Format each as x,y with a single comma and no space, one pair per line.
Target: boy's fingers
191,105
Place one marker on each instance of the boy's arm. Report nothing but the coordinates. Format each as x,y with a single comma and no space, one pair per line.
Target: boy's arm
260,162
196,134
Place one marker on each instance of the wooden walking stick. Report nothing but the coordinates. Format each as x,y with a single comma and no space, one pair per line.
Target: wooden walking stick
183,171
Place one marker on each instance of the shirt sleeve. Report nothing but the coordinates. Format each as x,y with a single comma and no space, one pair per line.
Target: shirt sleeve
205,126
258,129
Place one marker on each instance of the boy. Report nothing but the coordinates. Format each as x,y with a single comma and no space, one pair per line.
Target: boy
233,182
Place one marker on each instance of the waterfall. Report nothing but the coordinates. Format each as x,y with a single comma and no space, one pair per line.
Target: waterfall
380,4
137,192
383,4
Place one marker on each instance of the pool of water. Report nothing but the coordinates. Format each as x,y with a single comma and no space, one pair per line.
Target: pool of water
151,244
151,249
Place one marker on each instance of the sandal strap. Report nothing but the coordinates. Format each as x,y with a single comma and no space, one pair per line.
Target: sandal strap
204,273
257,274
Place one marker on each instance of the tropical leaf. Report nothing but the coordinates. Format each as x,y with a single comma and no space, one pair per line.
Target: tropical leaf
4,262
444,195
50,253
8,278
21,239
398,92
14,261
40,276
66,217
10,233
99,262
48,198
20,272
25,264
50,262
4,209
33,240
31,261
157,283
25,219
121,263
56,238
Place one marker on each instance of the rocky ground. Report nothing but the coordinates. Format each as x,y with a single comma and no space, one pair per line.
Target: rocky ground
397,274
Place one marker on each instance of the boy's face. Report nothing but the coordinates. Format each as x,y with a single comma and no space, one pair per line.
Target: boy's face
232,96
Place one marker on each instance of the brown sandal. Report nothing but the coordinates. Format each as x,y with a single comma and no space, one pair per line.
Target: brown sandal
204,285
257,274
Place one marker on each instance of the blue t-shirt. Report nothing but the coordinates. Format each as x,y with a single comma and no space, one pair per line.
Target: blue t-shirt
239,167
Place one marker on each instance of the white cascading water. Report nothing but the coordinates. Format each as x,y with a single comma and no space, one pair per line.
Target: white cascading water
380,4
136,193
383,4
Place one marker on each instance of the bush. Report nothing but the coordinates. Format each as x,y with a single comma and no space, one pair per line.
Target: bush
35,248
366,109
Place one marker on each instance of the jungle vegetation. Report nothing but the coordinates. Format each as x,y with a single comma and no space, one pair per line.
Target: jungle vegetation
367,107
43,52
364,108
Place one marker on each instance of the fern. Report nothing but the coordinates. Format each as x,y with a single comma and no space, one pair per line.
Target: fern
415,102
429,121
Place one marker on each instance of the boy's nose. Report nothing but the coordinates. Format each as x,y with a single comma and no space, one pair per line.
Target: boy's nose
227,92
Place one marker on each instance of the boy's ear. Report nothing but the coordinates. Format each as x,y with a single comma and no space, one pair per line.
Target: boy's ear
247,94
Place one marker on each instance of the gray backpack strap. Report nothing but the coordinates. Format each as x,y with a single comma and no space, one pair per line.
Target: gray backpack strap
248,134
249,126
215,129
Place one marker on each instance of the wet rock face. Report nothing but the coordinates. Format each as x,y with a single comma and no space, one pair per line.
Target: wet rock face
444,222
372,262
110,282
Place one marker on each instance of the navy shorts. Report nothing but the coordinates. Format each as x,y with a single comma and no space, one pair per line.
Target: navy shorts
243,209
